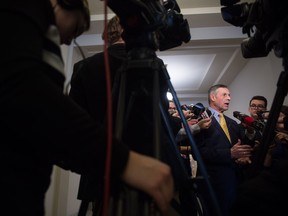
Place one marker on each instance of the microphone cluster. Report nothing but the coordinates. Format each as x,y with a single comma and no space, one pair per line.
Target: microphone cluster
249,121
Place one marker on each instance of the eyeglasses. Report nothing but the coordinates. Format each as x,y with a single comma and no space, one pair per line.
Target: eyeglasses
260,106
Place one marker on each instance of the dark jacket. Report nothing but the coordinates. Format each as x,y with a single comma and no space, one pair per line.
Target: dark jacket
214,148
88,82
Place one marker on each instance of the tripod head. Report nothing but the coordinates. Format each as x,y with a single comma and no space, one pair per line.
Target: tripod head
151,23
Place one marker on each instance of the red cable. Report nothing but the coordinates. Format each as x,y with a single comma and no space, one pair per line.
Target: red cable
106,194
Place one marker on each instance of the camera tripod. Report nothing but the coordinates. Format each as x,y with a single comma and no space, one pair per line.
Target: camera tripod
143,123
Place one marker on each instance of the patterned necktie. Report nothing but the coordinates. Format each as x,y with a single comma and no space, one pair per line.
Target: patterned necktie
224,125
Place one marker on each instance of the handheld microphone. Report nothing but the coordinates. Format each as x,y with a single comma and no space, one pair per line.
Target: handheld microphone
243,118
249,121
196,109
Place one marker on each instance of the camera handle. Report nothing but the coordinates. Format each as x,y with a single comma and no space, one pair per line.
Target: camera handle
142,83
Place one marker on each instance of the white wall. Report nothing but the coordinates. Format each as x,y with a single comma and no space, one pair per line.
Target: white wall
259,77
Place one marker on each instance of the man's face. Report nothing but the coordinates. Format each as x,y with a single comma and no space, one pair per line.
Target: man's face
220,100
255,106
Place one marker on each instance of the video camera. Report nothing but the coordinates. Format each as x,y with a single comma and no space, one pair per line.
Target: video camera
153,23
267,19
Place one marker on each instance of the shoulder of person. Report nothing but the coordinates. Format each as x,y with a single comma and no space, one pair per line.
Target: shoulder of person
118,51
94,59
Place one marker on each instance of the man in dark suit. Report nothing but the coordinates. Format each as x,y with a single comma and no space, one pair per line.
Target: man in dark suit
220,152
88,89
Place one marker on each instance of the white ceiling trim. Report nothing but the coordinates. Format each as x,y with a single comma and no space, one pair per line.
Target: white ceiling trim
224,32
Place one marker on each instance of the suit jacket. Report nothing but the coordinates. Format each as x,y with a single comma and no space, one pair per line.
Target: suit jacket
214,148
88,82
88,89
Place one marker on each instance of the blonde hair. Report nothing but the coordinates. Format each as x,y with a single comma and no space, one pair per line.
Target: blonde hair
114,30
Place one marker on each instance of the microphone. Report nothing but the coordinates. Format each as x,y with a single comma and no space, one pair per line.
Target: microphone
243,118
249,121
196,109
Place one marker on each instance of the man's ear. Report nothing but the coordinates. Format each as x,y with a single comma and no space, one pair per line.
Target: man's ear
213,97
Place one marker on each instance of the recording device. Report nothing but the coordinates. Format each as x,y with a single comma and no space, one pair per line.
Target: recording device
249,121
198,109
267,19
156,23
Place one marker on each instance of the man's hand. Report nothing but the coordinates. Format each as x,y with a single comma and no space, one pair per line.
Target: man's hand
240,151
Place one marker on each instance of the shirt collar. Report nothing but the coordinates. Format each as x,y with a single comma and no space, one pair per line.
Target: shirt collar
216,113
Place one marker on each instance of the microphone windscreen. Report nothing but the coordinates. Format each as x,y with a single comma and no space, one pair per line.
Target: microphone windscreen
248,120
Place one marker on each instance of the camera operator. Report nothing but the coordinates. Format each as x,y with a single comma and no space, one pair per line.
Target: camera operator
41,127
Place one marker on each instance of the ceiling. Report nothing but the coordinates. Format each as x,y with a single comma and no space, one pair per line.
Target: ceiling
213,55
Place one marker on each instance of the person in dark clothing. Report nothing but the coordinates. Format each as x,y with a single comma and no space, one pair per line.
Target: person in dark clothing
41,127
88,89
